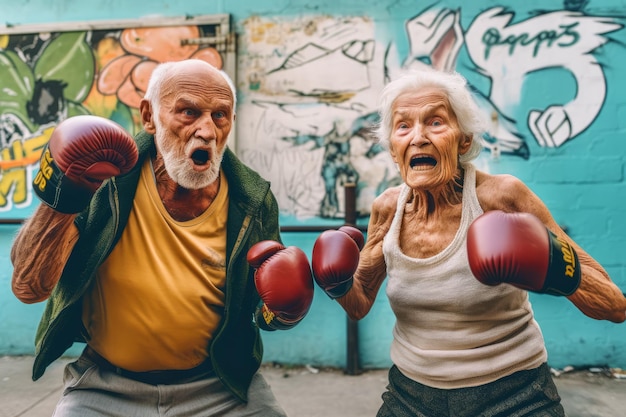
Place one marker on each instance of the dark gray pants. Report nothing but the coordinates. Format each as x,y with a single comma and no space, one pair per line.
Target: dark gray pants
524,393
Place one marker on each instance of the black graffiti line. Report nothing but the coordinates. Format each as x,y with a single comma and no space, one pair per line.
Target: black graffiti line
492,37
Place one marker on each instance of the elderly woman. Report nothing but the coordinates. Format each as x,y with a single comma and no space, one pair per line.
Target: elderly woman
460,348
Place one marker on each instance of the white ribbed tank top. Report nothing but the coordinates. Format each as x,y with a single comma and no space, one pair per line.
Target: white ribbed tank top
451,331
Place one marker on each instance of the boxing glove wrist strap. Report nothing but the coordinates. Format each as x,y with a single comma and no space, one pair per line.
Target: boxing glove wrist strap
267,320
56,190
563,277
339,290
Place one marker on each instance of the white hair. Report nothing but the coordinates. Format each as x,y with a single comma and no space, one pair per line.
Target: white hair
472,121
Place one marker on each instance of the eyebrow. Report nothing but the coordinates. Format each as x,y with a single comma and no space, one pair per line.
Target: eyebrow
185,102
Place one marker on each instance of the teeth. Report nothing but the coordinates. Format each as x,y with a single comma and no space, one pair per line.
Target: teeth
421,167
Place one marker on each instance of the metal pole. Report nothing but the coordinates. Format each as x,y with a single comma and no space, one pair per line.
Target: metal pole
353,366
11,221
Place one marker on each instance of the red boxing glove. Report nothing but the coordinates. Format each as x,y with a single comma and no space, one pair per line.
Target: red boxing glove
82,152
335,258
284,282
518,249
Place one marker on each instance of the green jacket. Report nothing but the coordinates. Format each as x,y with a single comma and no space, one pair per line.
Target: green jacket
236,349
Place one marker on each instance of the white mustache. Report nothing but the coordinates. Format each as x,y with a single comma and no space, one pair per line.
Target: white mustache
196,143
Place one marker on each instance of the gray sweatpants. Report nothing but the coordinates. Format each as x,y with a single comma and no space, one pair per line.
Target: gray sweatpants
93,392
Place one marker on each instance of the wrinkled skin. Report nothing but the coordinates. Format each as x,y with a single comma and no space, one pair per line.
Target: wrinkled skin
425,143
196,115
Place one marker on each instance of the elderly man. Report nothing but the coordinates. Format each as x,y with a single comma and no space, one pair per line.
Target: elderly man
163,254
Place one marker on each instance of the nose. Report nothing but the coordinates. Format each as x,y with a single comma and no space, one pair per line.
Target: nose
419,139
206,130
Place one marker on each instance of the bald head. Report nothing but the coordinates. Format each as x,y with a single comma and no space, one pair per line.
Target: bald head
172,75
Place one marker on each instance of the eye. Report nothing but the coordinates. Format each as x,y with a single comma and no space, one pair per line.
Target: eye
219,114
436,122
400,125
189,112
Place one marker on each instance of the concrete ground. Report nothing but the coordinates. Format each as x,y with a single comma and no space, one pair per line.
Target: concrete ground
310,392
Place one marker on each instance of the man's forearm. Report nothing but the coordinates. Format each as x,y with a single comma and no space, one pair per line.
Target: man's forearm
39,253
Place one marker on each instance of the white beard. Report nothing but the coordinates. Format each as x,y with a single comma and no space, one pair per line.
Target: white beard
177,164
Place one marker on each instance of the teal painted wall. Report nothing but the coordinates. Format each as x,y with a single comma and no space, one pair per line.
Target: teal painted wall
581,178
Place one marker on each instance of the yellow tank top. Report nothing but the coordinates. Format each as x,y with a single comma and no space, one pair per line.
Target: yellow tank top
159,296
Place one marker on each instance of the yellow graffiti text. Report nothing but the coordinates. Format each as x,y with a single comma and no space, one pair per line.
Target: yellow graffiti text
15,160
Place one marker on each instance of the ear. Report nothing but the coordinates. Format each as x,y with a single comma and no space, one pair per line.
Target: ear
465,144
146,117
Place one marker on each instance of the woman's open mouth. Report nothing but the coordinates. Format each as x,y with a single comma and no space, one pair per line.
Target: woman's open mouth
422,162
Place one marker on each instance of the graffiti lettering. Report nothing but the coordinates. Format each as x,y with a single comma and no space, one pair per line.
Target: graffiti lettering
15,161
566,36
15,181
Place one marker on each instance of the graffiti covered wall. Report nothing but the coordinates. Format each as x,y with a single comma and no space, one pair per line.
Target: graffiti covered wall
48,76
547,73
311,85
310,88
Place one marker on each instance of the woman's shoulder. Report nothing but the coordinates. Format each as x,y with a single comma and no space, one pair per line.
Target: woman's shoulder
500,181
383,211
388,199
500,191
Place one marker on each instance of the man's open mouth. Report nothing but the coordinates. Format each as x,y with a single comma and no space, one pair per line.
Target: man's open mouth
200,157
